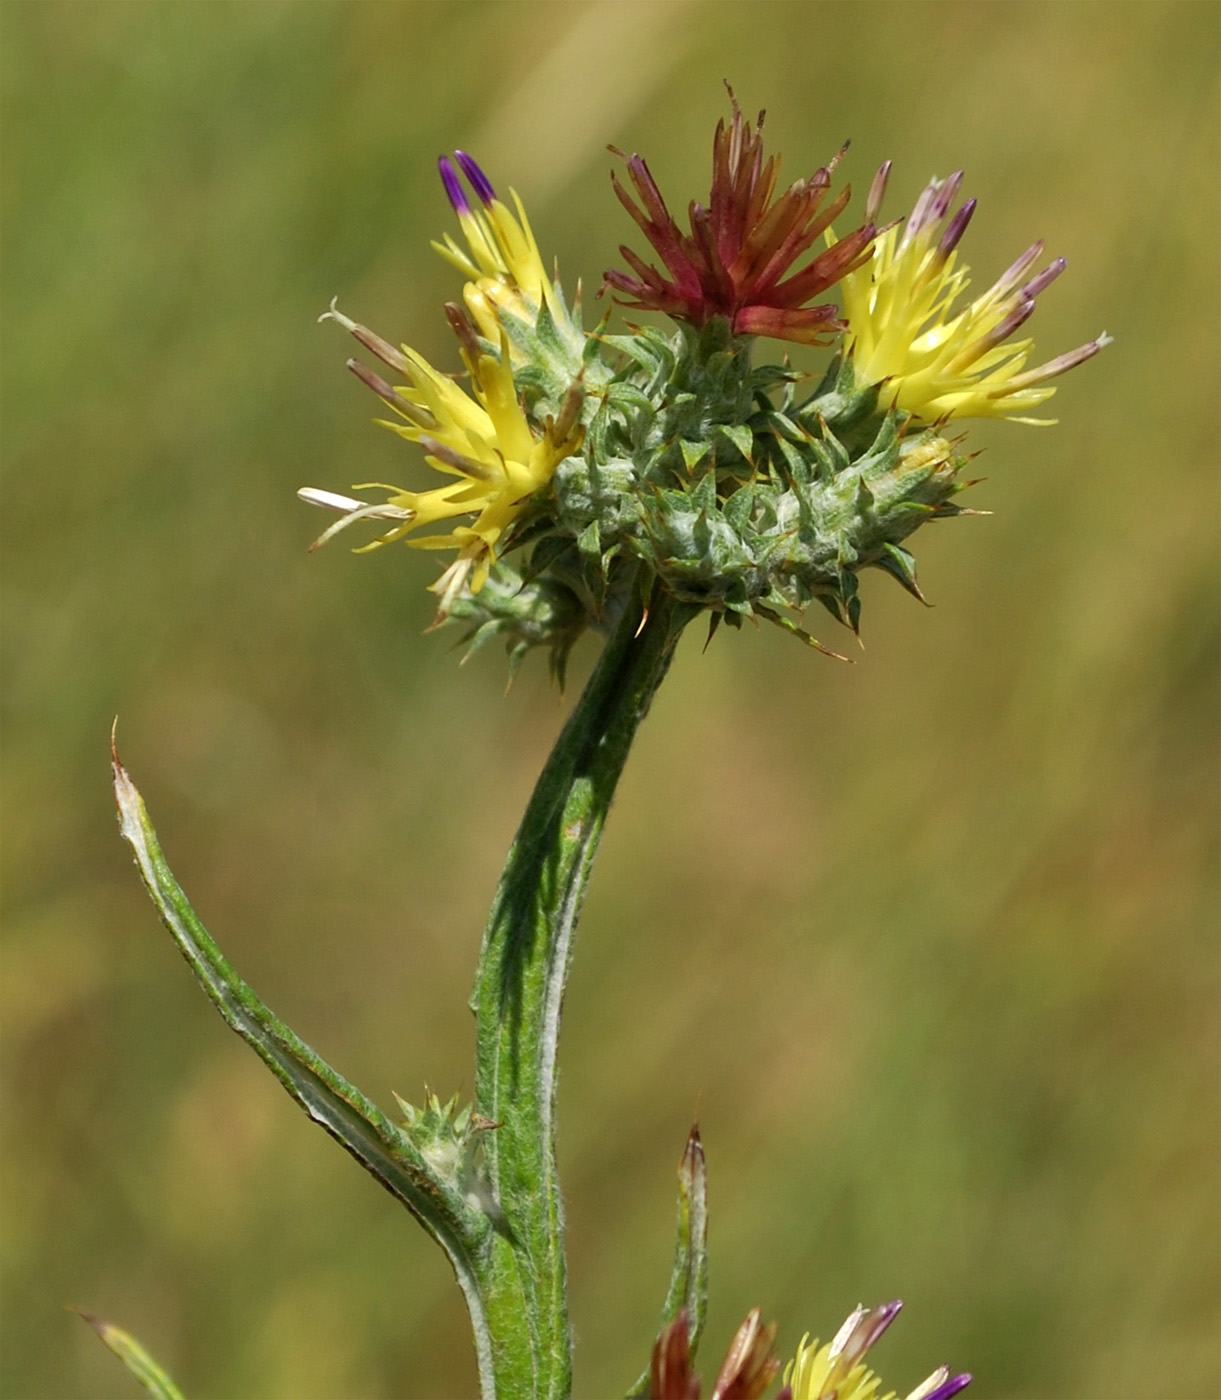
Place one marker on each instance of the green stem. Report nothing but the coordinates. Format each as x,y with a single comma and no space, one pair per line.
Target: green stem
519,988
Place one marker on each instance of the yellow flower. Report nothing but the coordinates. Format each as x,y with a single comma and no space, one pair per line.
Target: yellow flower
837,1370
933,361
484,442
502,263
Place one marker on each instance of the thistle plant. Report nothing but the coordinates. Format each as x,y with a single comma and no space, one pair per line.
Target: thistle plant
629,480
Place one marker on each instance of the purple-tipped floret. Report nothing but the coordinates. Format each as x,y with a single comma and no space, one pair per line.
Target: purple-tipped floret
1045,278
955,230
1017,270
1063,363
934,200
1017,316
877,192
944,197
879,1320
861,1331
479,181
453,186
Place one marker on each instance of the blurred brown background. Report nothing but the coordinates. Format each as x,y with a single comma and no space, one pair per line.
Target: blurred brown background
928,942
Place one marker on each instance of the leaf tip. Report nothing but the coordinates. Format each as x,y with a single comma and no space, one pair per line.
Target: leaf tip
95,1322
107,1331
132,1355
693,1153
126,795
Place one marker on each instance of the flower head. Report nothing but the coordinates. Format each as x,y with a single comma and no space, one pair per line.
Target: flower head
484,442
836,1371
668,459
737,260
932,360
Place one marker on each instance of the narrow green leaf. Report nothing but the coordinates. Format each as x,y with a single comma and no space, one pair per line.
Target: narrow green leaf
134,1357
688,1289
376,1142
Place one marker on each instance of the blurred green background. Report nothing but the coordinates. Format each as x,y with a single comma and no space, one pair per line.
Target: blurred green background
927,942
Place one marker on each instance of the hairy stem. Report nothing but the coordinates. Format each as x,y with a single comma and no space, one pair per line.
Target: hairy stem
519,988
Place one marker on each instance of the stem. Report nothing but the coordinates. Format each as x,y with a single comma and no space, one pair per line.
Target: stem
519,988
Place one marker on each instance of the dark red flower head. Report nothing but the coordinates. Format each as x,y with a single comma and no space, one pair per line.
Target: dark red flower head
741,247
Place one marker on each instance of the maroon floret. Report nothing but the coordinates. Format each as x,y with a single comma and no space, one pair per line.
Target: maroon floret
738,260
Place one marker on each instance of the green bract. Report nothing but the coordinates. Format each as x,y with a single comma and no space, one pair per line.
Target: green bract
736,492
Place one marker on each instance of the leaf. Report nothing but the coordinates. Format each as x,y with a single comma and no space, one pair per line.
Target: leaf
688,1291
376,1142
134,1357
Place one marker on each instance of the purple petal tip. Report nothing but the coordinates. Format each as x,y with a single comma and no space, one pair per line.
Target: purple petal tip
1045,278
1014,273
453,186
951,1387
955,229
871,1326
877,191
1018,315
886,1314
479,181
945,196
